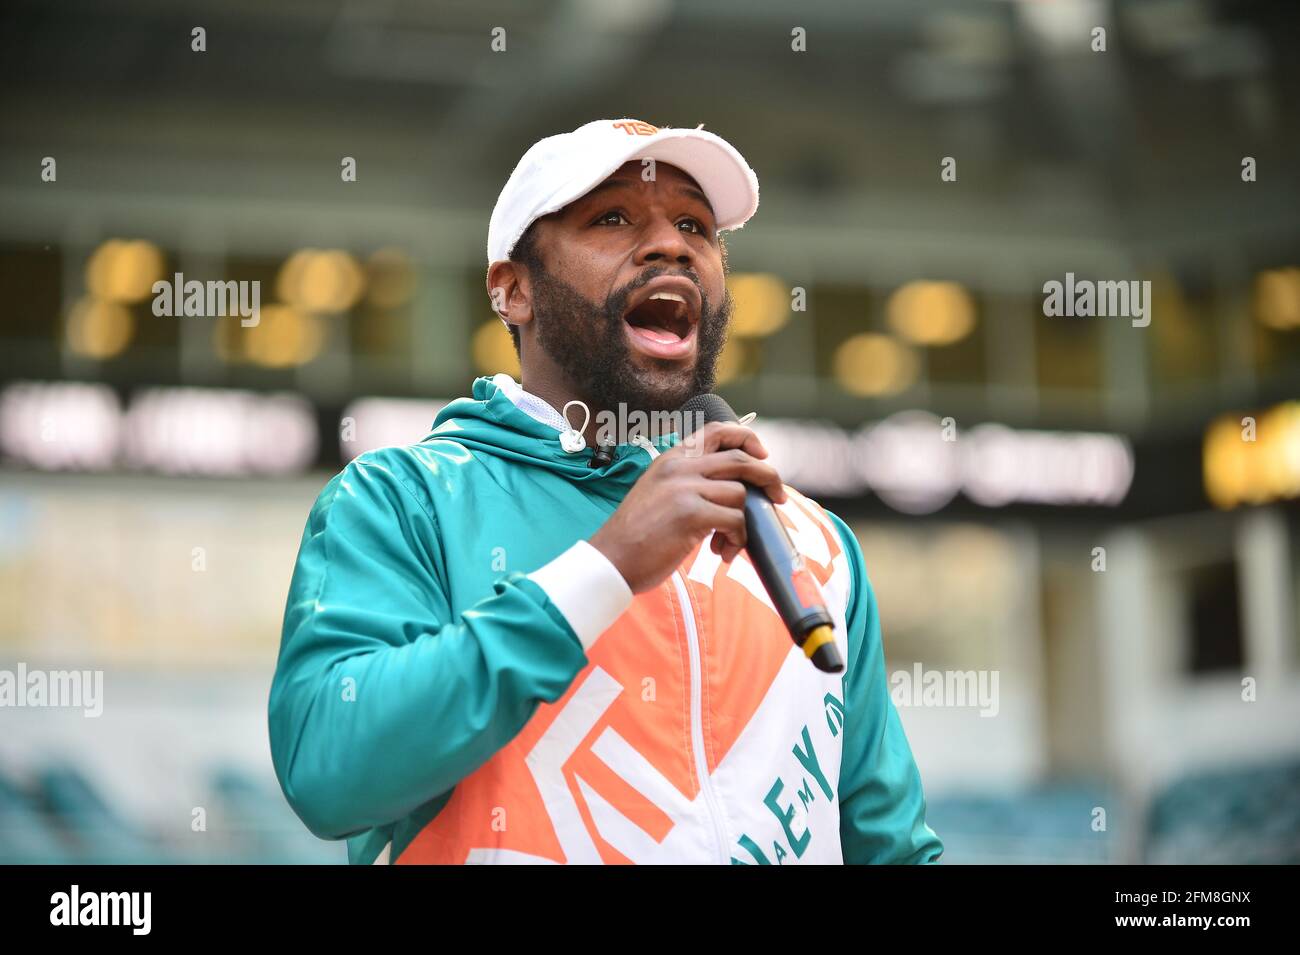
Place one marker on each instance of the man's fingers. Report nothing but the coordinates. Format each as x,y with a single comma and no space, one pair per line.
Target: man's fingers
738,465
723,548
726,493
726,521
720,435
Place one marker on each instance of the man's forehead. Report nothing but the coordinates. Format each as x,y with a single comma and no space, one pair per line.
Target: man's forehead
631,173
633,167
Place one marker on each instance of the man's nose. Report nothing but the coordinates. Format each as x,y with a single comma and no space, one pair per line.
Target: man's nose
663,242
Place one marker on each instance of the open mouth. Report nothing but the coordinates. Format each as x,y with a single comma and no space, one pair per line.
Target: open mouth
663,318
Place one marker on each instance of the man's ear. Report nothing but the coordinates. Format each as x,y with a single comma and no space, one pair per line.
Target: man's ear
510,290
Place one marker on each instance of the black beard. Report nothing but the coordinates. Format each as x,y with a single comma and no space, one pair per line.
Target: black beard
587,341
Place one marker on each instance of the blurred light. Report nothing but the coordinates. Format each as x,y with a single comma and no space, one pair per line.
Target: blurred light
872,365
931,313
1044,467
218,432
1237,471
370,423
1063,26
813,454
283,338
761,304
124,272
905,460
390,278
1224,465
76,426
316,280
99,329
493,349
58,426
622,17
1277,298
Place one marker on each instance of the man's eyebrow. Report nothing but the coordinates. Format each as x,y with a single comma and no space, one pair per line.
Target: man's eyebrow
609,184
696,194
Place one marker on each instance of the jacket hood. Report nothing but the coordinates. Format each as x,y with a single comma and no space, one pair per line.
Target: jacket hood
488,422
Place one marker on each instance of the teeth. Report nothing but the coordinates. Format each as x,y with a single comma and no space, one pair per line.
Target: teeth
670,296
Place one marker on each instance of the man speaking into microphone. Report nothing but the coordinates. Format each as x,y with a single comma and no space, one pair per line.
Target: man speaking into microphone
528,640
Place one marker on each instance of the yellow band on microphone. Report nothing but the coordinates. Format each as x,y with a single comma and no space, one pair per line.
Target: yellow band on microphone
817,638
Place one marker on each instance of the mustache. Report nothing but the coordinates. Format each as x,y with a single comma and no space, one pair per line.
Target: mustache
616,303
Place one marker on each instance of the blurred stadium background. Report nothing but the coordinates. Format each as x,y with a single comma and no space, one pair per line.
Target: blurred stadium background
157,471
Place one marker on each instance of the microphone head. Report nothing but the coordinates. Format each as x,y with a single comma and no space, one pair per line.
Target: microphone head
700,410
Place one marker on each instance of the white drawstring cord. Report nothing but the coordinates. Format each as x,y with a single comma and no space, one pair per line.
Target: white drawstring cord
572,440
641,441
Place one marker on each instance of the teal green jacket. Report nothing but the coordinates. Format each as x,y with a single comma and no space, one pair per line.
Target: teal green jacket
463,678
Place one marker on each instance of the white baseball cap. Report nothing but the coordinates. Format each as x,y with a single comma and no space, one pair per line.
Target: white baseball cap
559,169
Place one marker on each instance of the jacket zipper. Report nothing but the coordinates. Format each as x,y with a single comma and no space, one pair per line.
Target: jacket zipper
697,693
697,718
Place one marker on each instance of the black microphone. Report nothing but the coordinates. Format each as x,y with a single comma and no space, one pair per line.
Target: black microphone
780,567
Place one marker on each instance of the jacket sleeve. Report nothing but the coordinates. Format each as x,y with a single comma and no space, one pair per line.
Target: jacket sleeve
882,806
382,698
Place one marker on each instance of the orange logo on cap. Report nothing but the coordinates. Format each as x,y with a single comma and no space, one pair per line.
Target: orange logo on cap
635,127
